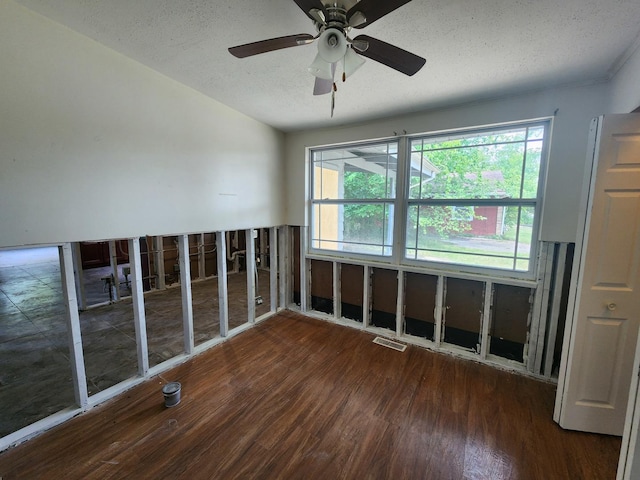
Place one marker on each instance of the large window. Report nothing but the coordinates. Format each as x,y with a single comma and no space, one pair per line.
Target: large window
471,198
353,194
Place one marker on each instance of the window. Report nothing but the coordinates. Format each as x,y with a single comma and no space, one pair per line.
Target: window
472,198
353,194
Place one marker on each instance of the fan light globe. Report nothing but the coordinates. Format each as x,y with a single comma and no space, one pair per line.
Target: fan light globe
332,45
352,62
321,69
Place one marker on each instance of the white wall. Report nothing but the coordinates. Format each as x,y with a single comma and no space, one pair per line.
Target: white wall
625,85
94,145
575,108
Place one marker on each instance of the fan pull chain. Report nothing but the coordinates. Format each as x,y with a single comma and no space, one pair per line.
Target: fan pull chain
333,99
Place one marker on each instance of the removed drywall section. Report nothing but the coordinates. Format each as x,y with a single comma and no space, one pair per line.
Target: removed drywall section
384,298
509,322
420,304
352,291
464,301
322,286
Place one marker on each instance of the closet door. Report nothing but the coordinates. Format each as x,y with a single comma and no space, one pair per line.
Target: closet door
596,370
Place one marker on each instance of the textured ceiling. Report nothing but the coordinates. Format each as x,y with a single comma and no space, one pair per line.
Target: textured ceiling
474,49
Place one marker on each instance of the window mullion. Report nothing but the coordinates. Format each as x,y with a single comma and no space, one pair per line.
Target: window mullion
400,204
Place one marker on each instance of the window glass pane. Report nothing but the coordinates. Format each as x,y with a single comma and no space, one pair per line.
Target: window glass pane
356,172
532,169
421,172
536,133
477,165
354,227
478,236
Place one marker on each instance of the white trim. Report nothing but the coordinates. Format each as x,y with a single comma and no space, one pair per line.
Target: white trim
138,306
223,305
250,266
538,310
185,282
555,309
202,273
36,428
337,293
283,267
486,320
158,257
546,292
366,308
439,311
113,263
76,355
304,270
273,269
400,304
79,276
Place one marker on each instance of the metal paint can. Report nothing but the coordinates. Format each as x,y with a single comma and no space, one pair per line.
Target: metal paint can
171,392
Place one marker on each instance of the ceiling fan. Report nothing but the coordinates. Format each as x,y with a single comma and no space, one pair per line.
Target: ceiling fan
333,21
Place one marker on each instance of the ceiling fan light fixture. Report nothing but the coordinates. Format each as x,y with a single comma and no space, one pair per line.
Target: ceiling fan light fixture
352,62
321,68
332,45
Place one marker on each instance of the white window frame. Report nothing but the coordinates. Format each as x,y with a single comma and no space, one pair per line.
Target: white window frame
393,201
402,202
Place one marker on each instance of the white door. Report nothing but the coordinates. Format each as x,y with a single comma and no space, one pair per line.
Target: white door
604,306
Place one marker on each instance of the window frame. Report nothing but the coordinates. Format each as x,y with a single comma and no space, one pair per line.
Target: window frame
388,201
402,203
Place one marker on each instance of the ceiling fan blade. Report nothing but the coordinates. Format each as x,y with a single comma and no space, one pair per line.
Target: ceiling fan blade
373,10
322,86
307,6
263,46
391,56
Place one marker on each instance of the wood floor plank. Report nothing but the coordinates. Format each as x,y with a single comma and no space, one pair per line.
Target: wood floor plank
300,398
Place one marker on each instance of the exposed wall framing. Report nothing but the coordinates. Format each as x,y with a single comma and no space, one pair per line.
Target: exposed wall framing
147,258
499,320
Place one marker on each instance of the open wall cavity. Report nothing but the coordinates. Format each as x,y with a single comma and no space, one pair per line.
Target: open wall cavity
420,305
322,286
384,298
510,317
351,291
156,314
513,322
462,317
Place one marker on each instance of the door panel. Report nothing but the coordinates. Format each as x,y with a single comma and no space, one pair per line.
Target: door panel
596,373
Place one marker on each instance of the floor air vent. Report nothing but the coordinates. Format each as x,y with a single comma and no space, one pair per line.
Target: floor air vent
390,344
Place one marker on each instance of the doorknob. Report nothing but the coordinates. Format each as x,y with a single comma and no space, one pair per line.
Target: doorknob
611,306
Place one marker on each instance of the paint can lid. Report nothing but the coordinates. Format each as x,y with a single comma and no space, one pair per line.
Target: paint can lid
170,388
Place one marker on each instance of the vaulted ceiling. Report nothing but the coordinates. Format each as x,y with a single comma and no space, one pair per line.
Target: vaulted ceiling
474,49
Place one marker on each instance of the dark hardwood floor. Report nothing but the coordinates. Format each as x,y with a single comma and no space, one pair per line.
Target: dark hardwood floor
301,398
